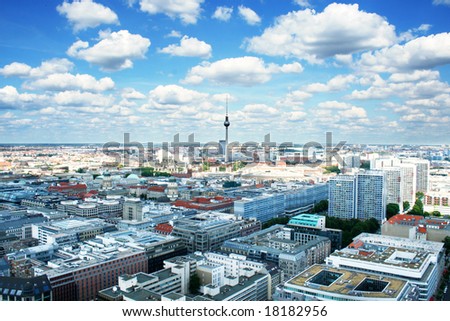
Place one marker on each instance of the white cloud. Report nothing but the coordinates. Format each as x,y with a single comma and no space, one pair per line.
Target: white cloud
174,95
420,53
114,51
10,98
78,98
68,81
444,2
410,88
250,16
7,115
295,116
414,32
245,71
21,122
131,93
340,29
15,69
174,34
87,14
188,11
303,3
189,47
414,76
56,65
337,83
223,13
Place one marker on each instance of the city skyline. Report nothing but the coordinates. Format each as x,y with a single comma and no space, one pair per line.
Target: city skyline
89,71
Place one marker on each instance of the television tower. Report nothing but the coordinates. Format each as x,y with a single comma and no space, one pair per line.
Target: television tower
226,123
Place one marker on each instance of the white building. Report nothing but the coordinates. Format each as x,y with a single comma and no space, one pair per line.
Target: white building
417,261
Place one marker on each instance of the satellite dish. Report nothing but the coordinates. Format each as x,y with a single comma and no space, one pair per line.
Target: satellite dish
114,288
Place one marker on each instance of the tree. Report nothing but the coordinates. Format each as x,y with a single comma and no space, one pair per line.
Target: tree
365,165
392,209
417,208
406,205
419,195
332,169
447,245
194,284
436,213
320,207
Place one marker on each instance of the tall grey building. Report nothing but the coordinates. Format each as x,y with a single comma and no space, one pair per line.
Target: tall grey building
341,196
371,195
360,196
132,210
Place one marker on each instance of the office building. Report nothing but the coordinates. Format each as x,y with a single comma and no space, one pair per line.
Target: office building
306,225
290,251
422,173
371,195
341,196
207,231
132,210
25,289
157,247
417,261
262,208
78,273
417,227
360,196
70,231
324,283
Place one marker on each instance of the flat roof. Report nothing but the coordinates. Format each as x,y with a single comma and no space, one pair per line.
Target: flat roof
347,282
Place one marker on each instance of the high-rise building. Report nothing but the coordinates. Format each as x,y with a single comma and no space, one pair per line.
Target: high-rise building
341,196
360,196
407,182
371,195
393,185
422,173
132,210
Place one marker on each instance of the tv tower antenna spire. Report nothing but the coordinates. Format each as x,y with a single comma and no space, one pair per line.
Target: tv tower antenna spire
226,123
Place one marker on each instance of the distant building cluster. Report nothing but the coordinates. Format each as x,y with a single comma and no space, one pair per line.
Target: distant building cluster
76,225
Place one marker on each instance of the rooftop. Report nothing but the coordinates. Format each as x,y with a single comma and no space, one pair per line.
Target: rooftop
346,282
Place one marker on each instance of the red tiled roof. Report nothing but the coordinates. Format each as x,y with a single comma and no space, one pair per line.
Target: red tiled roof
356,245
157,188
164,228
405,218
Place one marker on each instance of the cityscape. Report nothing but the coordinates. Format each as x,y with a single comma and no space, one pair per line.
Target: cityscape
196,150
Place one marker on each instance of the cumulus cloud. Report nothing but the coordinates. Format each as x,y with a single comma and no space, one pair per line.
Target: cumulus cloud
174,95
174,34
131,93
250,16
113,52
17,69
188,11
420,53
75,98
87,14
10,98
223,13
189,47
341,29
67,81
245,71
337,83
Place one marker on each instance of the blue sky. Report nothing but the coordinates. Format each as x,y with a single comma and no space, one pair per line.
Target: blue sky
88,71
